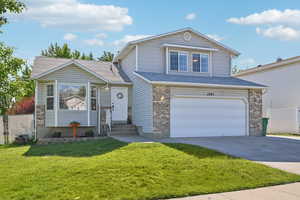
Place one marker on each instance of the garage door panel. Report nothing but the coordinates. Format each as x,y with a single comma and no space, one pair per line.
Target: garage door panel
196,117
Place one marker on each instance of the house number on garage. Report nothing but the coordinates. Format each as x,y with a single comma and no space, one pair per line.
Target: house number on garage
210,94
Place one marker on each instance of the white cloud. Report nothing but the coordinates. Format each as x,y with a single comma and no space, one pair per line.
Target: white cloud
70,36
101,35
128,38
73,15
215,37
190,16
275,24
94,42
279,32
273,16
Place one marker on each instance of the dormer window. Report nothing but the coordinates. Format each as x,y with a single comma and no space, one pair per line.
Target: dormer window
178,61
200,62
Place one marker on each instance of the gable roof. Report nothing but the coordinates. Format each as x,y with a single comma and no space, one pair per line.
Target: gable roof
105,71
269,66
131,43
232,82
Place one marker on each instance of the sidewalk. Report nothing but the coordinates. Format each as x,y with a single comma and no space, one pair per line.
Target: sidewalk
280,192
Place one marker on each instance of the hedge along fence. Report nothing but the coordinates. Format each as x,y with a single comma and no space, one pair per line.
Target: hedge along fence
17,125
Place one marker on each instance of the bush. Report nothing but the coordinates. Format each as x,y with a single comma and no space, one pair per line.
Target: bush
56,134
89,133
22,140
24,106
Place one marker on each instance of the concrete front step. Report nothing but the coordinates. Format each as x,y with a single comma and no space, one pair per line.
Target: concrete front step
123,133
123,125
123,130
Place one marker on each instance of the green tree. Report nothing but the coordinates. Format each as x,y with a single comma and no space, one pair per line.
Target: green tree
235,69
91,56
106,56
13,81
28,84
76,54
64,51
12,6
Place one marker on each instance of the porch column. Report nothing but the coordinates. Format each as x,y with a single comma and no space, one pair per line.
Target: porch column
56,104
88,102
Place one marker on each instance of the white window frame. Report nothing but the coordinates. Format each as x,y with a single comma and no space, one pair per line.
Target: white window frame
95,97
73,84
208,62
53,96
187,60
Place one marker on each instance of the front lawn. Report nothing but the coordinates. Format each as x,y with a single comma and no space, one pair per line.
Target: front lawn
109,169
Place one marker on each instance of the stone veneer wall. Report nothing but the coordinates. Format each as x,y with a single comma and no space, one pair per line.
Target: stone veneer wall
255,112
40,116
161,111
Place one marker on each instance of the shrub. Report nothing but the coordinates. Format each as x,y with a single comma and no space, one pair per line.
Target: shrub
24,106
56,134
89,133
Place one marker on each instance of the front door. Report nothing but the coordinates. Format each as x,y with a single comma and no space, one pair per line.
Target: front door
119,103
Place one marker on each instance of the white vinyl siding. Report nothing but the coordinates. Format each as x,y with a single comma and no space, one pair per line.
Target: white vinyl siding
128,63
152,57
281,100
143,108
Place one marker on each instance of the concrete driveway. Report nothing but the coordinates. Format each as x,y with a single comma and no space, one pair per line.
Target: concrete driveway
277,152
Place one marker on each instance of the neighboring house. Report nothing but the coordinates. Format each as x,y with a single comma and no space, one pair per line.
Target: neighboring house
281,102
176,84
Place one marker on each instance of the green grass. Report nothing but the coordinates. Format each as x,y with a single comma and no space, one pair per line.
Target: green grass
284,134
109,169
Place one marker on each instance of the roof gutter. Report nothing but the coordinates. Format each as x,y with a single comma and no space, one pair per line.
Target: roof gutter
197,84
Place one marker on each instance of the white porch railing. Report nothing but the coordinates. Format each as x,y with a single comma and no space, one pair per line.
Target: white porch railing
108,119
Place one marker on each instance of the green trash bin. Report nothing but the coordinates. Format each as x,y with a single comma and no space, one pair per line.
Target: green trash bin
264,125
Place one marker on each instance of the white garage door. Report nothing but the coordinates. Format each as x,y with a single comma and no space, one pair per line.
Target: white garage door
204,117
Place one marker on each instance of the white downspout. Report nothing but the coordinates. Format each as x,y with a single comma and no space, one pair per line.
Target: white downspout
167,60
35,105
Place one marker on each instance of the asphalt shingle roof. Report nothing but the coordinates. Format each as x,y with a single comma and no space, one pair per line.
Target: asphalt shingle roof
106,70
232,81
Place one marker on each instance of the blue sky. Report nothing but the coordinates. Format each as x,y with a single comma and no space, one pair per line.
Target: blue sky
261,30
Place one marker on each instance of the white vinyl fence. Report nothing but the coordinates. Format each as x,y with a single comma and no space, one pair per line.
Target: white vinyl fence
17,125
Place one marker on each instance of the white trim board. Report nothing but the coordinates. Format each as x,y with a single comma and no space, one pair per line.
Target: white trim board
196,84
189,47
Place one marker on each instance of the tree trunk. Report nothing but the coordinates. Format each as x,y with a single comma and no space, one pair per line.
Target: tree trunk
5,129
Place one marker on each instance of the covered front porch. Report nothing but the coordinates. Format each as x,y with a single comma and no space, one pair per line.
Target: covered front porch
74,102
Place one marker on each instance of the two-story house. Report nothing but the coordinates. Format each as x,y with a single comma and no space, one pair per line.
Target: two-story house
176,84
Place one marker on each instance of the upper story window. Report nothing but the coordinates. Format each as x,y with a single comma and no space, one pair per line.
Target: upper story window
178,61
72,97
50,97
200,62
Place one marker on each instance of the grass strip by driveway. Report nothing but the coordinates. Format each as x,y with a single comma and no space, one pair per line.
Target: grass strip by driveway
109,169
